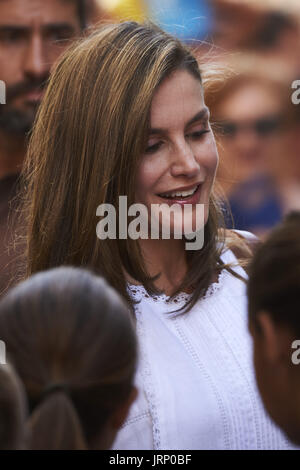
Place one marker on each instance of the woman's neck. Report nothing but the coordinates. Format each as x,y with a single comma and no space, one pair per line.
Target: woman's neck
168,258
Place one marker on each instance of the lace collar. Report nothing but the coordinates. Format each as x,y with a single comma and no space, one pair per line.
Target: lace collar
138,292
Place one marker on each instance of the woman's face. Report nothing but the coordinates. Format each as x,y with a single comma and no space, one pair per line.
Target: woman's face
180,159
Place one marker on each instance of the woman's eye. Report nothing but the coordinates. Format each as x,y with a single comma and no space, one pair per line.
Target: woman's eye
193,135
153,148
198,134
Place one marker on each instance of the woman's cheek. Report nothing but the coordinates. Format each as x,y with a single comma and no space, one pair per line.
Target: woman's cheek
146,179
214,155
208,157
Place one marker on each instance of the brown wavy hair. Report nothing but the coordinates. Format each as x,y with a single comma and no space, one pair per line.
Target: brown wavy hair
71,340
85,148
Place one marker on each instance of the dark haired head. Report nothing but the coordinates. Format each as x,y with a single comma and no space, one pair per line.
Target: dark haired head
274,282
72,343
274,314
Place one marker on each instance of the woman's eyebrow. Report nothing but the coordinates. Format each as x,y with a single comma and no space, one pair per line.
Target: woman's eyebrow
202,114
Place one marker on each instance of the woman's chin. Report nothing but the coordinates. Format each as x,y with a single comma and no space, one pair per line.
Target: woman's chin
188,229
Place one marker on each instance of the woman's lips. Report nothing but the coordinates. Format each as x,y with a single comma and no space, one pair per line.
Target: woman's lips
193,199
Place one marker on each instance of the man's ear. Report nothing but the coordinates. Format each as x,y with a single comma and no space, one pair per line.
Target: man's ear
275,339
122,411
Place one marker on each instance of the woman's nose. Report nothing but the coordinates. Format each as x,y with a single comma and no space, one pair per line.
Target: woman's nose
184,162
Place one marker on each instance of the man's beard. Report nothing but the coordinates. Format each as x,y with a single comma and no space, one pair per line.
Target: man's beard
18,121
14,121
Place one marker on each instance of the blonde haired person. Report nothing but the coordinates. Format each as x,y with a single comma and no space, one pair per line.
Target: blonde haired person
124,114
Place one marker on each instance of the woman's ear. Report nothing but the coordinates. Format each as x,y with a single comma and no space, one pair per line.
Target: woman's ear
122,411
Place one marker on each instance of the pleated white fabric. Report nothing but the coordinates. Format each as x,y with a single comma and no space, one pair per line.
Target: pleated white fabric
195,375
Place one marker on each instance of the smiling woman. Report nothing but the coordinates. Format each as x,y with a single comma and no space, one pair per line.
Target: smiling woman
124,115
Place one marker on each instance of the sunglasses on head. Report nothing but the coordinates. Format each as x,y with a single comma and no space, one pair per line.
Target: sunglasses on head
262,127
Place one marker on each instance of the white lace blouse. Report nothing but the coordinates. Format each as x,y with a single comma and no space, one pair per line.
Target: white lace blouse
195,376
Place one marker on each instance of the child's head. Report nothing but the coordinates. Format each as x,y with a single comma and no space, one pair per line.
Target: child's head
72,342
274,321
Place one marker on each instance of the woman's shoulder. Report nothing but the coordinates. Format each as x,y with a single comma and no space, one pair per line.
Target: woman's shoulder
249,236
242,244
235,234
241,241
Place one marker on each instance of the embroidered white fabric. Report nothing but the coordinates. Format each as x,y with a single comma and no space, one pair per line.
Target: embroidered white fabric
195,376
139,292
